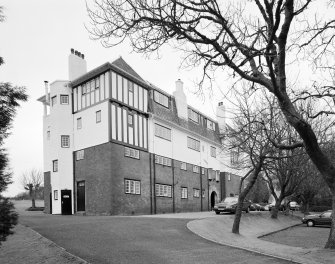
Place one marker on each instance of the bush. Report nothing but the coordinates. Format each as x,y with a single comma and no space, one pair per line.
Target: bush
319,208
8,218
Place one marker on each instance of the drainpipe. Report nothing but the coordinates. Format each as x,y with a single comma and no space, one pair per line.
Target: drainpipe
201,189
150,167
46,97
154,185
173,199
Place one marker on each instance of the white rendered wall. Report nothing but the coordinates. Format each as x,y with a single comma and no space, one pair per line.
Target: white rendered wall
91,133
177,148
59,123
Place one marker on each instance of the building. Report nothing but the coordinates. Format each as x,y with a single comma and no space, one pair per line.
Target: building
116,144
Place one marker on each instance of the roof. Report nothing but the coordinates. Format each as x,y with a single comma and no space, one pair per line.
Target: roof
119,66
120,63
170,115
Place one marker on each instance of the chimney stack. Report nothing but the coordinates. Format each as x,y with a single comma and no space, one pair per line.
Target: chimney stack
181,101
46,87
221,117
77,64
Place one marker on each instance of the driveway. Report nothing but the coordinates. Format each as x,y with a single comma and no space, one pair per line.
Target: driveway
108,239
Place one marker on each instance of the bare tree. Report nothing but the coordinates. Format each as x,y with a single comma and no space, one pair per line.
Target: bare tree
31,182
250,45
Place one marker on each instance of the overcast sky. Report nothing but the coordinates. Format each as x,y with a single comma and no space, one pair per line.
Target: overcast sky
36,39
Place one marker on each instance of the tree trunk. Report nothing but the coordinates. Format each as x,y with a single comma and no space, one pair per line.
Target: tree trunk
238,215
33,205
243,194
275,209
331,239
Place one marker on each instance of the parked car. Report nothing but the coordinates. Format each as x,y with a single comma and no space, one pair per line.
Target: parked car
294,206
256,207
266,206
324,218
282,206
229,204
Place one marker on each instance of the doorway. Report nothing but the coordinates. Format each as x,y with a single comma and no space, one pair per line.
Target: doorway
81,196
66,202
50,201
213,199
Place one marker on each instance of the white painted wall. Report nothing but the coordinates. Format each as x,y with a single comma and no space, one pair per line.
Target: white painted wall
59,122
91,133
177,148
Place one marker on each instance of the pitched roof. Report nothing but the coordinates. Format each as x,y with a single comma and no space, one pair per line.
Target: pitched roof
120,63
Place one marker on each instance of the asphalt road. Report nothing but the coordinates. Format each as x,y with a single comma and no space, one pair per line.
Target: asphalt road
105,239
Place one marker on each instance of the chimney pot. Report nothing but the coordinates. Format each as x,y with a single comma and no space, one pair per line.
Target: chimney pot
82,56
76,52
72,51
46,82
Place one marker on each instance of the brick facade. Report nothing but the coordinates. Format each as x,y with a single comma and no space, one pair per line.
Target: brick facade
105,168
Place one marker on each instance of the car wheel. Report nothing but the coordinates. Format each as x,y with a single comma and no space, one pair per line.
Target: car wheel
247,210
310,223
217,212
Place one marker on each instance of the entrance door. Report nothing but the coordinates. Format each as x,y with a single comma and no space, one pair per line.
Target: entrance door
66,202
81,196
213,198
50,200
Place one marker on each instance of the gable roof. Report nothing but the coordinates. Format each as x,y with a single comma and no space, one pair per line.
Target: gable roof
120,63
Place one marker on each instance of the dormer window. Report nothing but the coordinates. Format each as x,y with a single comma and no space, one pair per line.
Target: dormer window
194,116
161,99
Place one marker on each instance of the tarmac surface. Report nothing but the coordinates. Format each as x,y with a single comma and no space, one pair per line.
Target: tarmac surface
152,239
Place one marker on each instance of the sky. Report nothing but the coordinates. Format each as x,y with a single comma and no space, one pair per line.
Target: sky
36,39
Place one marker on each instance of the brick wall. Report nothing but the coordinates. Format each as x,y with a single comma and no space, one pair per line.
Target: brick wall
105,168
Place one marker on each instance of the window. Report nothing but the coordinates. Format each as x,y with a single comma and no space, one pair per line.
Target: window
228,177
196,193
98,116
163,160
162,132
213,152
202,171
97,83
217,176
210,174
84,89
130,87
161,99
132,186
55,165
203,193
132,153
65,141
48,135
163,190
130,120
210,125
183,193
79,123
53,100
183,166
234,157
193,143
64,99
56,195
196,168
194,116
80,154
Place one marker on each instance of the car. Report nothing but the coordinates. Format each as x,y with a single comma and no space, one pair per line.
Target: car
294,206
281,206
256,207
324,219
229,204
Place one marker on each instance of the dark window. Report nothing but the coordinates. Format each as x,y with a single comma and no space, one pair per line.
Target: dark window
55,165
